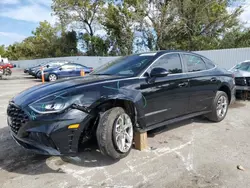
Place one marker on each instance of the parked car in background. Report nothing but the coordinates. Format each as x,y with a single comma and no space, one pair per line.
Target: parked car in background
64,71
52,64
31,70
1,72
134,93
241,72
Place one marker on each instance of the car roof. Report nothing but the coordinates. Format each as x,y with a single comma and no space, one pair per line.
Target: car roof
161,52
74,64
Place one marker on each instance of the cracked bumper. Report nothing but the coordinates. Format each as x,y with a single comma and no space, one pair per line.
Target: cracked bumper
243,88
49,134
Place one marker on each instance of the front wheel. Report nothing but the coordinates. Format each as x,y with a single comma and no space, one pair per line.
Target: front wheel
52,77
115,133
219,107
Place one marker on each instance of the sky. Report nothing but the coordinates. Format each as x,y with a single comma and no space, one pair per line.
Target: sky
19,17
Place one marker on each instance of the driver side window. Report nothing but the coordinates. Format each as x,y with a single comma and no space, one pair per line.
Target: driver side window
170,62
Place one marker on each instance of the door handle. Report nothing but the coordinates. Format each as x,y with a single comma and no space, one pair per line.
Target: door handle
213,80
183,84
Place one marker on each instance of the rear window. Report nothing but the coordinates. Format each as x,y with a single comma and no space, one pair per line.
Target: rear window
194,63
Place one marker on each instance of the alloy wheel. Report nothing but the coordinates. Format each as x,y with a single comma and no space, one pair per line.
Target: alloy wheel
52,77
222,106
123,133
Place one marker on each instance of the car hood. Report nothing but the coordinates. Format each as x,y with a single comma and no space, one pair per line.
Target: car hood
37,92
240,73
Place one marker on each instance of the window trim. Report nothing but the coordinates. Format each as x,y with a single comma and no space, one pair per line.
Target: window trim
183,64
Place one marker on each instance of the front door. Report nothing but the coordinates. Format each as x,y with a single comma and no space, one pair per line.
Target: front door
165,97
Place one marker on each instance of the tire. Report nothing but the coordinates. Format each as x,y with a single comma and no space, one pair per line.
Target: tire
107,134
220,98
50,77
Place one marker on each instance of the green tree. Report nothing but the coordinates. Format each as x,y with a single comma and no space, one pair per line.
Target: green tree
236,38
202,22
83,14
118,21
45,36
67,44
101,45
2,50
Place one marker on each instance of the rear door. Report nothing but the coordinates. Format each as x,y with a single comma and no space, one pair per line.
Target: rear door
78,70
166,97
202,81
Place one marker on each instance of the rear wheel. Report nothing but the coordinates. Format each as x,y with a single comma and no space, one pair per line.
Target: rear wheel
52,77
219,107
115,133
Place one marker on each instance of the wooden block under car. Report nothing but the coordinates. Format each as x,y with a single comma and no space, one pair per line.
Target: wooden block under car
141,140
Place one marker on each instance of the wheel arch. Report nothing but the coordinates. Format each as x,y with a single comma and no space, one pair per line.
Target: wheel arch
225,88
128,105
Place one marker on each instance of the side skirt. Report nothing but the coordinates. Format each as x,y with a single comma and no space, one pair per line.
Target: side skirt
164,123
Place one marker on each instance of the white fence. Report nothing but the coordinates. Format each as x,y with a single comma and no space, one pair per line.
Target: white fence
225,58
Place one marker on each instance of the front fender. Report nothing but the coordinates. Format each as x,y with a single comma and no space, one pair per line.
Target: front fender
115,91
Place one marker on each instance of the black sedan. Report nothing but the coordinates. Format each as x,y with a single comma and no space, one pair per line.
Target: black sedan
134,93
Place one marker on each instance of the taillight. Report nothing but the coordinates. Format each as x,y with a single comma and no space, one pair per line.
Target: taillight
233,76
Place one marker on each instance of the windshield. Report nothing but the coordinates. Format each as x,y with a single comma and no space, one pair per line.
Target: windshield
125,66
243,66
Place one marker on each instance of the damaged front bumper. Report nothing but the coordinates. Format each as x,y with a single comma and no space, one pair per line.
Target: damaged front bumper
243,88
35,147
48,134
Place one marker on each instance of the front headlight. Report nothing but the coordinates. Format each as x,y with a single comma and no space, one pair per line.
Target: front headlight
56,103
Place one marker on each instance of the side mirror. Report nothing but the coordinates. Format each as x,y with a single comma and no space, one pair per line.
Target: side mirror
47,66
60,68
158,72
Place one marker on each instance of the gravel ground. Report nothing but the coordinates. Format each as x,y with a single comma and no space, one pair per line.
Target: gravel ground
193,153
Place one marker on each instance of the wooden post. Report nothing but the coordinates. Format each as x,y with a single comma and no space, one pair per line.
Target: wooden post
82,73
141,141
42,73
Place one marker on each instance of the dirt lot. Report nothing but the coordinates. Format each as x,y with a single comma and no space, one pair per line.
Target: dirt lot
193,153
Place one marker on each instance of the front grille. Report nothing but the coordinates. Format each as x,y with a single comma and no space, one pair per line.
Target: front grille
248,81
240,81
16,117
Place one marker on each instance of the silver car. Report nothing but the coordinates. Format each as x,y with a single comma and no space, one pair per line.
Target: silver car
241,72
